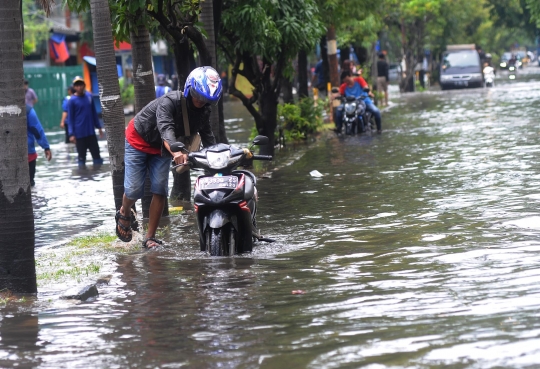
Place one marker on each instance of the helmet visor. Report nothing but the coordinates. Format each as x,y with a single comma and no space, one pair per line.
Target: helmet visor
198,96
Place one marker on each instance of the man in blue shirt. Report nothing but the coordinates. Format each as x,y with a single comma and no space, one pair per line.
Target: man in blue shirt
82,120
354,86
35,132
162,88
319,81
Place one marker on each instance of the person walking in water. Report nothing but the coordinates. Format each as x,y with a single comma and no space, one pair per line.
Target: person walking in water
162,88
63,123
148,138
382,77
30,96
35,132
82,121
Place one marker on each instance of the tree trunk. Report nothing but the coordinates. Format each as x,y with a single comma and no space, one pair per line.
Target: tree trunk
268,101
181,189
143,80
344,53
303,90
332,56
17,263
109,94
145,92
207,19
287,91
324,58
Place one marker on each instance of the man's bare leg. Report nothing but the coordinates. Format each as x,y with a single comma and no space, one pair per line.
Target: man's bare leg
154,216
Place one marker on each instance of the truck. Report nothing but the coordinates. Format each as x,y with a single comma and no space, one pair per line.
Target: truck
461,67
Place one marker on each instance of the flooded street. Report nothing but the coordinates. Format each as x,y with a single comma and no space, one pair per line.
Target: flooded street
417,248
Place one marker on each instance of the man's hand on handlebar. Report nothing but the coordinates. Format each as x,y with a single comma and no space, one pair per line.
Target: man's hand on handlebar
180,158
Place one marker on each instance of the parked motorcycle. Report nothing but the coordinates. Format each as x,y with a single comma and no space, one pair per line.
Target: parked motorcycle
225,198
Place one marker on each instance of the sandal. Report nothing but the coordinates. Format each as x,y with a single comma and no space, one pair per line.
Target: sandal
152,239
126,229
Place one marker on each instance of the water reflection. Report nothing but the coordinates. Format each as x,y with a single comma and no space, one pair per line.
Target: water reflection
416,248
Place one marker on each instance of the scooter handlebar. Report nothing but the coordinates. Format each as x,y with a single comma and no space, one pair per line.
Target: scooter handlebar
262,157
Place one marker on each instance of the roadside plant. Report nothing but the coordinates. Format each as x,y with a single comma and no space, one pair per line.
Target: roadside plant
298,121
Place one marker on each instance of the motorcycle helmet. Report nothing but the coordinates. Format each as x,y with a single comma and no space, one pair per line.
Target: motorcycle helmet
203,84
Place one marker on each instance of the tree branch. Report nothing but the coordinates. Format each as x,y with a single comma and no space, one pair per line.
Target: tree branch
248,103
197,38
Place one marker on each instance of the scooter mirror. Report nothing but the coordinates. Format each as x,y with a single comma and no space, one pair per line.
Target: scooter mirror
177,146
260,140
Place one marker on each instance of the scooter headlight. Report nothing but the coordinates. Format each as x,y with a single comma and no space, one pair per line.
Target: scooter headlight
218,160
350,108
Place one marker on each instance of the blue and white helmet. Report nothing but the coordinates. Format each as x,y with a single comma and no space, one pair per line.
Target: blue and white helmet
203,84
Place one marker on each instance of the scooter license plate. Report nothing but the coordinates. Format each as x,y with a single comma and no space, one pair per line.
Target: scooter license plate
214,183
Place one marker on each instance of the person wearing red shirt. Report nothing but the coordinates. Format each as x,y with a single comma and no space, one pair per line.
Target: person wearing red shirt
149,137
354,86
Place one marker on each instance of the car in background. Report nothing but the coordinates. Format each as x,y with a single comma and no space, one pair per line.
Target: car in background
394,72
461,67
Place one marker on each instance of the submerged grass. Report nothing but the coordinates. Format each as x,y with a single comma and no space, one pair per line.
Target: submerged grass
85,257
80,259
7,296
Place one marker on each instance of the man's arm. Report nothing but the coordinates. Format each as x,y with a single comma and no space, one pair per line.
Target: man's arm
207,136
35,127
64,112
342,89
362,82
70,118
34,96
165,120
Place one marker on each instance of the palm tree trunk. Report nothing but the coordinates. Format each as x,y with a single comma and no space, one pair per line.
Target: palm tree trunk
181,189
17,263
145,92
109,93
207,19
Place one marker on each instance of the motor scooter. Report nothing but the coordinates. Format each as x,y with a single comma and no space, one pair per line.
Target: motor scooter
489,76
512,72
352,117
225,198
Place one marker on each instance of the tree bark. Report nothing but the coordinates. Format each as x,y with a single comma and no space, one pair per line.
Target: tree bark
287,91
332,56
324,57
109,94
207,19
145,92
181,189
17,263
303,90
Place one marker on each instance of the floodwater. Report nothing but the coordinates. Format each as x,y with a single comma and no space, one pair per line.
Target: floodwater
417,248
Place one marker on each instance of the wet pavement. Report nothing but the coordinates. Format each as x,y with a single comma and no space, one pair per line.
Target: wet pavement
415,249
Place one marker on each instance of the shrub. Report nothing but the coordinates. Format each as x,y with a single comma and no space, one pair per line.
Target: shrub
299,120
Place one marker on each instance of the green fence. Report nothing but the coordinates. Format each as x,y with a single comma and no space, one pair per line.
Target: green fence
50,84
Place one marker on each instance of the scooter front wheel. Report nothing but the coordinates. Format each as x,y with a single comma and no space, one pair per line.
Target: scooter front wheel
221,241
214,243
